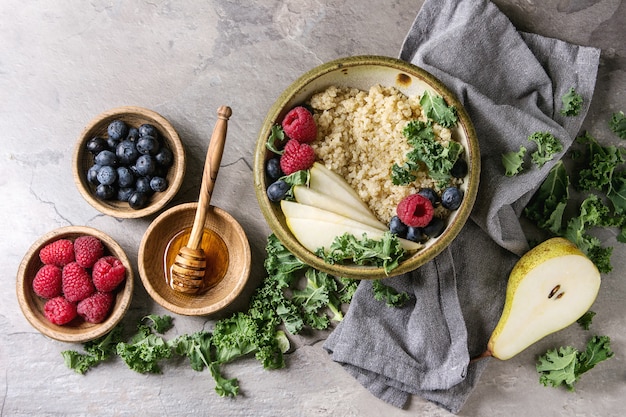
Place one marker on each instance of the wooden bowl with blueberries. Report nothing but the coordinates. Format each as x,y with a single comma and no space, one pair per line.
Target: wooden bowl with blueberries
75,284
366,167
129,162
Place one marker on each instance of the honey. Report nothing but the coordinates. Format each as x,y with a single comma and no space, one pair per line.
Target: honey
215,251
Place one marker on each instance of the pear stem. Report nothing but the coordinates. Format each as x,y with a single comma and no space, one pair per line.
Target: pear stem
485,354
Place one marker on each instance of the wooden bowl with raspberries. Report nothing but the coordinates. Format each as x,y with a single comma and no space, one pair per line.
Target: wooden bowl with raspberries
129,162
75,284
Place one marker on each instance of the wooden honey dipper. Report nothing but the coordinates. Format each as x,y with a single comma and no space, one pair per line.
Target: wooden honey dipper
189,267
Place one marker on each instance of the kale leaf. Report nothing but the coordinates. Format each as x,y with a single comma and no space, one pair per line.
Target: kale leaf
618,124
565,366
435,108
572,103
390,295
547,146
513,162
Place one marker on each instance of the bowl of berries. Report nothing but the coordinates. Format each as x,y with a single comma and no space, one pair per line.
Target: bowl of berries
366,167
75,284
129,162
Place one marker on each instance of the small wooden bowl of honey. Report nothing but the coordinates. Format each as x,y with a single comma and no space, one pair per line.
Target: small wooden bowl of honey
227,252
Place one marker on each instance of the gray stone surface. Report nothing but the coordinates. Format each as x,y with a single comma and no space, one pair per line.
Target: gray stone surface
63,62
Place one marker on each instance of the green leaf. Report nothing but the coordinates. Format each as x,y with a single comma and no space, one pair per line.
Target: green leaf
572,103
547,206
586,319
435,108
547,146
160,324
598,349
436,156
602,163
276,139
144,351
618,124
388,294
557,367
513,162
566,365
96,351
386,252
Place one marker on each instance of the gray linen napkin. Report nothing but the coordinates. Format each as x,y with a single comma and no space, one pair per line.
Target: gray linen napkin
511,84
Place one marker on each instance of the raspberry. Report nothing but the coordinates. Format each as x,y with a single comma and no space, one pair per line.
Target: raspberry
59,310
108,272
296,156
415,210
47,281
95,308
299,124
59,253
87,250
76,282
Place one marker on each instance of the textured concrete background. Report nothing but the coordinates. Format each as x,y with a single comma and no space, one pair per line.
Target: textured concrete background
63,62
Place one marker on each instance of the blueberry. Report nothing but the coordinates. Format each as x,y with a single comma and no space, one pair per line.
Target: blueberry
107,175
415,234
396,226
112,144
147,145
105,157
124,193
272,168
145,165
125,177
451,198
126,152
435,227
133,134
96,145
158,184
117,130
147,129
164,157
277,190
430,194
459,169
92,174
137,200
105,192
142,185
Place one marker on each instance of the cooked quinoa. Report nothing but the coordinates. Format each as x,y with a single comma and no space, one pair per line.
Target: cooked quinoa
360,137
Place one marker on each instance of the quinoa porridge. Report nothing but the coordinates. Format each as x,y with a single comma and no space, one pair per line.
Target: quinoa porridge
360,137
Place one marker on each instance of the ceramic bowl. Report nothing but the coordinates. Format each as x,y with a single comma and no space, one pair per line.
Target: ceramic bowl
78,330
232,254
363,72
133,117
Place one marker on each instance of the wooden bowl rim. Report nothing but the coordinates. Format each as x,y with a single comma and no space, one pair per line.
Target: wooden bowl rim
342,65
67,333
210,308
174,141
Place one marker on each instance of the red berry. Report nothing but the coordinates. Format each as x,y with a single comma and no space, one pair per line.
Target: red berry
59,310
47,281
96,308
296,156
299,124
108,272
87,250
59,253
415,210
76,282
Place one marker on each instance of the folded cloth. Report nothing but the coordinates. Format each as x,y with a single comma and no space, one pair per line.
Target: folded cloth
511,84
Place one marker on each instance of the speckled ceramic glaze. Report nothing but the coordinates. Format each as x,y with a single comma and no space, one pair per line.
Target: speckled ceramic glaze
362,72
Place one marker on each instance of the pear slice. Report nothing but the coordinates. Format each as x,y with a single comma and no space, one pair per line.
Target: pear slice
325,181
317,228
310,197
549,288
